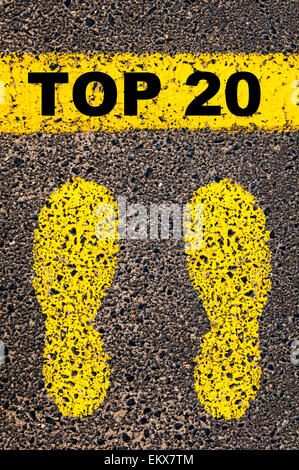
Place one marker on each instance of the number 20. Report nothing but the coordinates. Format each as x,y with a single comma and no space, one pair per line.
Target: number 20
196,107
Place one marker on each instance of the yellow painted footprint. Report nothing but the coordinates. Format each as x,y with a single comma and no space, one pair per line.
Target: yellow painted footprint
74,262
230,269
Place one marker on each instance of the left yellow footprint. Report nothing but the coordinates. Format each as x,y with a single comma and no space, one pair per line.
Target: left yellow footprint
74,262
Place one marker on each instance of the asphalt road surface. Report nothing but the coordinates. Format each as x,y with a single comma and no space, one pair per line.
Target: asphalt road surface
151,319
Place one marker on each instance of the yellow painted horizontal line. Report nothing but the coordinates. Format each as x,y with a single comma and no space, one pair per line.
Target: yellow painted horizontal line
20,101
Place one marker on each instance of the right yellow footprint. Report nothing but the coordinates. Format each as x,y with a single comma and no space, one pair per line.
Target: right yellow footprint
230,268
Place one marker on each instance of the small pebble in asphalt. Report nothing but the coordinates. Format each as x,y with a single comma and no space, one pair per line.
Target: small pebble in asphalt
3,353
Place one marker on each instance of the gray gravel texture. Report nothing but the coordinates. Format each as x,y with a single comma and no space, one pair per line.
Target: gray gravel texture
151,319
